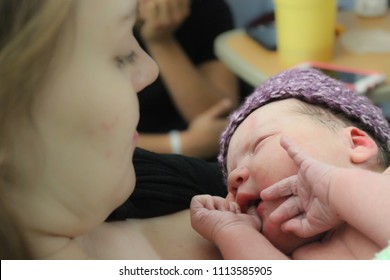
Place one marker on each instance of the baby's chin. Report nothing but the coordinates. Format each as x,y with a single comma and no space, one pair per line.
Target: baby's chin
287,243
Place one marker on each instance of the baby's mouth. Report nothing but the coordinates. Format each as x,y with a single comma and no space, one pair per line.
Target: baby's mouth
252,204
256,202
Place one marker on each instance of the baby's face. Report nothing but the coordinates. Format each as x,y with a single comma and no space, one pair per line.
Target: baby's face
87,112
256,160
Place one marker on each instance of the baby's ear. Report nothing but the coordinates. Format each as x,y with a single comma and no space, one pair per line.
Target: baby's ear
363,148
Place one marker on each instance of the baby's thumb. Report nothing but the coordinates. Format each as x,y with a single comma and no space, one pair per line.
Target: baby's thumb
253,213
230,197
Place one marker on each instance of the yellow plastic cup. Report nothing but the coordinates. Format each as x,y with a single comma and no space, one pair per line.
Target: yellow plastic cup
305,30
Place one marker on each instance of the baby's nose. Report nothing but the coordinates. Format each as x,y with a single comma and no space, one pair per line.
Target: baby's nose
236,178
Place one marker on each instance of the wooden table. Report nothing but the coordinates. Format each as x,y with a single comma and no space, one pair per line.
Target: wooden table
253,63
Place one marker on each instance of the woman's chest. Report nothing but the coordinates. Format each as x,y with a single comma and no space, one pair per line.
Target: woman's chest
165,237
116,241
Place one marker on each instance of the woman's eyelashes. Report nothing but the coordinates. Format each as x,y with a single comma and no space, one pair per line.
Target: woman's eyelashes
124,60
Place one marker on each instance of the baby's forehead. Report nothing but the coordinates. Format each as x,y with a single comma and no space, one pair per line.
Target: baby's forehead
264,117
273,109
268,117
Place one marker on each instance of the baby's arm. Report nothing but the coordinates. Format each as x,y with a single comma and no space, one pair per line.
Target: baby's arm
322,195
236,234
362,199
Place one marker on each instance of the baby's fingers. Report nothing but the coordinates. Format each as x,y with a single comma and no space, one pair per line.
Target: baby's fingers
214,203
295,226
203,201
301,227
256,219
285,187
287,210
294,151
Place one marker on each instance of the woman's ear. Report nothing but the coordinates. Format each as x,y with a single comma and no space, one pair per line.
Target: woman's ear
363,148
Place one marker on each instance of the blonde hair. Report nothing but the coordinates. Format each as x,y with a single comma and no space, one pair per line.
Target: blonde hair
29,33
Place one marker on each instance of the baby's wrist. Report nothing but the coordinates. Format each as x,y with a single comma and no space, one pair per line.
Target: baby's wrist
231,232
337,189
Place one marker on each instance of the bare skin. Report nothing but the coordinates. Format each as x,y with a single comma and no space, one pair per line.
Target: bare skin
254,167
75,165
167,237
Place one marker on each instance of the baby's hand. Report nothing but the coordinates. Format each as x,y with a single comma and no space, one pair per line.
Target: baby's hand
307,211
212,214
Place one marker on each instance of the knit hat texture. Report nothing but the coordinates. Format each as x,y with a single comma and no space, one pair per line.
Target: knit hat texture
314,87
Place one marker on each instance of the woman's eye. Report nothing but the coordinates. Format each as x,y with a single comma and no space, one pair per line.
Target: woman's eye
124,60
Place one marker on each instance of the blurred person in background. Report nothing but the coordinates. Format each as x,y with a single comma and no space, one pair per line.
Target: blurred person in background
184,111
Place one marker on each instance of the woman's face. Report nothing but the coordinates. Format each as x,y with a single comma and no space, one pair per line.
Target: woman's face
87,112
256,160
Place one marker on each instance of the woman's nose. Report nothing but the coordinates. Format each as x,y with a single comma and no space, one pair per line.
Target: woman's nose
151,68
236,178
146,71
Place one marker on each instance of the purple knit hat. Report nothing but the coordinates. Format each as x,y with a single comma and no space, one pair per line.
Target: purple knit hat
315,88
